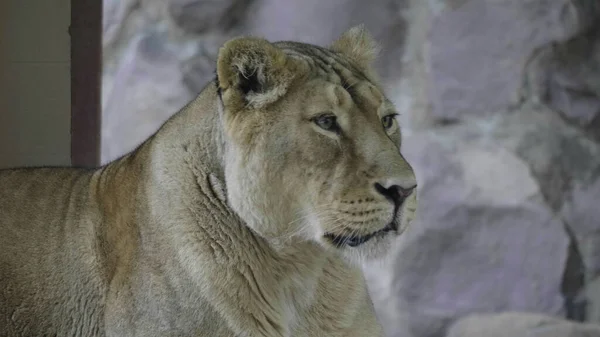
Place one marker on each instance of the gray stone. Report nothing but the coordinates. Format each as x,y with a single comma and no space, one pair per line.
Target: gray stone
113,15
123,21
517,324
592,295
581,213
559,155
566,77
477,49
566,164
488,237
485,239
200,68
199,16
147,89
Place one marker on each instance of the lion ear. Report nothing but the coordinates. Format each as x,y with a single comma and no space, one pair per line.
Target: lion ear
252,72
358,45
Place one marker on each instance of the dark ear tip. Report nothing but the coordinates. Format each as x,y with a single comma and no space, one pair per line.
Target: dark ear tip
248,83
217,85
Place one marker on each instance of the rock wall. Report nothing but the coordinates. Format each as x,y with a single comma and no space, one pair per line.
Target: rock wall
520,324
500,104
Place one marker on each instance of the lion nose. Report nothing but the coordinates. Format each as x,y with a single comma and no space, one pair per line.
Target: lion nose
395,193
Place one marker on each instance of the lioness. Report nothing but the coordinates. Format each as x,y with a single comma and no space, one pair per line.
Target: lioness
247,214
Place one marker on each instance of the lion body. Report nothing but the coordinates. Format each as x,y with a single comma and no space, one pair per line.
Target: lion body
156,244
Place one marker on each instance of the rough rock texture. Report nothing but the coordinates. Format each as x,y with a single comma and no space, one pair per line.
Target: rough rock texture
477,48
148,69
592,293
488,237
513,324
506,150
566,76
201,16
500,104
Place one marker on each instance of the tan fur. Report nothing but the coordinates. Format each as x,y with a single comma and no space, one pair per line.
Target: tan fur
216,225
358,45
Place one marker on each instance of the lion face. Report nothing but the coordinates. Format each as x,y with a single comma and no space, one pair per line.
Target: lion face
312,147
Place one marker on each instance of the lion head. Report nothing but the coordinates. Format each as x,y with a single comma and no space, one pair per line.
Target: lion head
313,145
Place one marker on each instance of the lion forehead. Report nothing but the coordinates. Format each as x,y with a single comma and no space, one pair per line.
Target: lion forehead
331,66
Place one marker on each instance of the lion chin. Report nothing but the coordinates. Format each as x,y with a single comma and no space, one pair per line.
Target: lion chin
374,245
361,248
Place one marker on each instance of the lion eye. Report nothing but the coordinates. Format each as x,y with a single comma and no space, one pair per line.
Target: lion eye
327,122
388,121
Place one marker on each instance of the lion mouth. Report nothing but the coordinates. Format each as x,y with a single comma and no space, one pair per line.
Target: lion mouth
356,240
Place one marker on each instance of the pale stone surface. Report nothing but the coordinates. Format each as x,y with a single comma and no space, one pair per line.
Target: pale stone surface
148,69
592,293
485,239
478,48
199,16
517,324
566,76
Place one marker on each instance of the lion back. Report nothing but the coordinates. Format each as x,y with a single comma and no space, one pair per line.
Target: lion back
48,259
